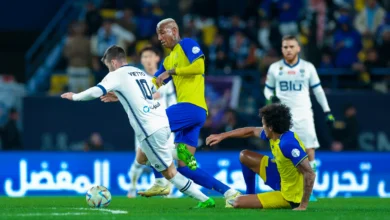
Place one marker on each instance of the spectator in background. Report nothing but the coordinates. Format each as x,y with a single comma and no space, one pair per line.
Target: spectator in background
93,19
346,132
95,143
191,31
288,16
10,134
326,61
264,35
239,50
347,43
384,48
78,53
217,53
128,20
108,34
149,22
383,28
369,19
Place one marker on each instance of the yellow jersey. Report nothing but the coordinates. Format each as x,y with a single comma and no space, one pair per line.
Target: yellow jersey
288,152
189,88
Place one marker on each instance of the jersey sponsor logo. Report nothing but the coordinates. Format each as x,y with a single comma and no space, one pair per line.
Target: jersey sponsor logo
195,50
295,152
146,109
290,86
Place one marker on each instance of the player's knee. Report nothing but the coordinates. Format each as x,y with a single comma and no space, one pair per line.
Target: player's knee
243,156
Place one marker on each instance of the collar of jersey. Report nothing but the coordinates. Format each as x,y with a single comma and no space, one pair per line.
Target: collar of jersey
291,66
125,65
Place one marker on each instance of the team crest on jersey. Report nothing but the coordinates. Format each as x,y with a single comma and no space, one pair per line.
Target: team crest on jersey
295,152
195,50
302,71
280,73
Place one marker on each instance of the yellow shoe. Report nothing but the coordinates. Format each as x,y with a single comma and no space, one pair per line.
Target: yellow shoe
230,199
156,190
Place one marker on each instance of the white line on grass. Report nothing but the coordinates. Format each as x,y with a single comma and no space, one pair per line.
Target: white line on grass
104,210
52,214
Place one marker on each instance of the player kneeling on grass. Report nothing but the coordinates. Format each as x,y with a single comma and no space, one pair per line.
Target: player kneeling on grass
148,119
289,173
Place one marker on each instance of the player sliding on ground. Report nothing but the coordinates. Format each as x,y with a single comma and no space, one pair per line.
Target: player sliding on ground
288,173
147,117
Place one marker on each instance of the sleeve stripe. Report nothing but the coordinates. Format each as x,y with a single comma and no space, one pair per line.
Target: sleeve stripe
301,160
103,89
313,86
269,87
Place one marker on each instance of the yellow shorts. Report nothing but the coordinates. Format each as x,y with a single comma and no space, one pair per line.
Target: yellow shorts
274,200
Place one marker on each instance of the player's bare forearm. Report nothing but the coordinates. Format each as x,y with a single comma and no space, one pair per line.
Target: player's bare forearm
308,181
237,133
243,132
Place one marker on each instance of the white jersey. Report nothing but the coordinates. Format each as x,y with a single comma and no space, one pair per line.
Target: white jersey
292,84
134,89
167,94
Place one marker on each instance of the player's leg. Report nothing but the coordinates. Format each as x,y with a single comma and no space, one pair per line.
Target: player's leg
160,155
268,200
135,172
250,165
189,136
186,120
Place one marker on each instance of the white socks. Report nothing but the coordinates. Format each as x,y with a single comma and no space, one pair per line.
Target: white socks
230,193
161,181
187,187
135,172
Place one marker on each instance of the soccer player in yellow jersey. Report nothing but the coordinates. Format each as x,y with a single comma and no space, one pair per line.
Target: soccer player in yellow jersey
288,173
185,67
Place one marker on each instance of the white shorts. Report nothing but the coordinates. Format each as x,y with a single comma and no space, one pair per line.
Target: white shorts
138,143
305,130
158,150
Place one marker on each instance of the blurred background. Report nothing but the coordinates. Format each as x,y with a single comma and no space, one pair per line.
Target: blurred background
50,47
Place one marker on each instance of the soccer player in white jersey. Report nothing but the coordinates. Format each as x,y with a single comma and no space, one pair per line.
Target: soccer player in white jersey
147,117
167,97
289,81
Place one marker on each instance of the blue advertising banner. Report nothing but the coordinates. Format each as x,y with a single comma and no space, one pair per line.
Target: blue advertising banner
37,173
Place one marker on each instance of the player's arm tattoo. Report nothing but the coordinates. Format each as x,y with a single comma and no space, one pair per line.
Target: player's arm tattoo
172,72
308,180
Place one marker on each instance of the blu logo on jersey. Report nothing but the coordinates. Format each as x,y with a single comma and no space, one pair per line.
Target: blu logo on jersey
290,86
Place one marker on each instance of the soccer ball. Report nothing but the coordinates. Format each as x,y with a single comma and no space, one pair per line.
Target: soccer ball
98,197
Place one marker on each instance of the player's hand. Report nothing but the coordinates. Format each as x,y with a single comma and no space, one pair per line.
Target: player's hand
275,99
68,95
329,118
160,79
109,97
299,208
214,139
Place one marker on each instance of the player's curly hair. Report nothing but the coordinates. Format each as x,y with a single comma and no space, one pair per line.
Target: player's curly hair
277,116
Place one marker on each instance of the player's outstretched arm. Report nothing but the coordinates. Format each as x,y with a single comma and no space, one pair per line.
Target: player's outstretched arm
237,133
308,183
89,94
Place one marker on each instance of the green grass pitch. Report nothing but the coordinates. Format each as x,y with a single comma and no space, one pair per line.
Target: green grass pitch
164,208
